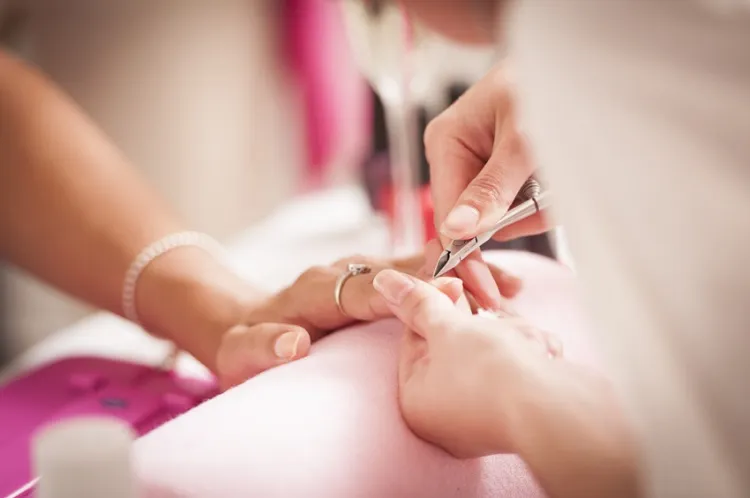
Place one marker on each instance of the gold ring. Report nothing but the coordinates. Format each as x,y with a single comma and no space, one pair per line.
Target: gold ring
352,270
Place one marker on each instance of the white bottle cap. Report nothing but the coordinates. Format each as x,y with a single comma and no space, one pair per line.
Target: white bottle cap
87,457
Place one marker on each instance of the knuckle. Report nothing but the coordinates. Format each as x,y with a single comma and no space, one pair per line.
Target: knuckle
436,134
513,143
312,273
487,189
434,131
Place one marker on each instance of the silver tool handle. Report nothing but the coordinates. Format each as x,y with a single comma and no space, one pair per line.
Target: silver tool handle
516,214
529,190
532,200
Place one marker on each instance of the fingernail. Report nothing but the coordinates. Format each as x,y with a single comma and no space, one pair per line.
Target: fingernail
392,285
451,287
455,284
461,220
286,345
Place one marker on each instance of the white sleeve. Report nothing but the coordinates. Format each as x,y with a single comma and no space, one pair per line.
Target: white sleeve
640,113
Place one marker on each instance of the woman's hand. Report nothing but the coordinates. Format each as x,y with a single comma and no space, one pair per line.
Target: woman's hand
282,327
478,163
477,386
458,372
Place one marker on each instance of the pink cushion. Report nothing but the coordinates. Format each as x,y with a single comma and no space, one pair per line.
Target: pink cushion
328,426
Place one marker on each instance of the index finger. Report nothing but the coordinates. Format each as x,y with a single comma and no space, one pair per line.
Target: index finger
419,305
476,275
479,281
453,166
460,141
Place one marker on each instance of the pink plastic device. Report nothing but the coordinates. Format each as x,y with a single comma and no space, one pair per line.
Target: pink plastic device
143,396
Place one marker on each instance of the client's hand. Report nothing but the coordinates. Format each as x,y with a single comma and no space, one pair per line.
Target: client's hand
282,327
456,369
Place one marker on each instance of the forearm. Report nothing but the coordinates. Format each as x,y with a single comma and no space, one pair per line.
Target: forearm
72,210
570,431
75,213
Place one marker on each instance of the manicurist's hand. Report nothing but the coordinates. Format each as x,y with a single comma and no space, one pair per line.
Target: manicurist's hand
478,163
477,386
458,372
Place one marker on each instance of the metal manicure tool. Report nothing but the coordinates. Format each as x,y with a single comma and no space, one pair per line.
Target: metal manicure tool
529,201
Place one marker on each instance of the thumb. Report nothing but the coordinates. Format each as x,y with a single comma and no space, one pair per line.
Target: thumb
492,191
421,306
451,287
246,351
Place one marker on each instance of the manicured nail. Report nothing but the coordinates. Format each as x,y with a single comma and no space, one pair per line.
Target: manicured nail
393,286
451,287
461,220
286,345
455,285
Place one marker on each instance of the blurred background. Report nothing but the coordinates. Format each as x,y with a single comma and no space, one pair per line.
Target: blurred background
232,108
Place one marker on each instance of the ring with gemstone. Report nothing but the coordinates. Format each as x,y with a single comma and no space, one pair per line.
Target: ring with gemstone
352,270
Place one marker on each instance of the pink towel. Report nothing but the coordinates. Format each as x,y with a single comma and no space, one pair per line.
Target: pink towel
328,426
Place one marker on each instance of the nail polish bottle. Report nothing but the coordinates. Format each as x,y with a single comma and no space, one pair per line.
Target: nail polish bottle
84,457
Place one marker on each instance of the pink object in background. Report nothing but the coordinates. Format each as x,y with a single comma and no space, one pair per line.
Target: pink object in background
142,396
336,105
328,426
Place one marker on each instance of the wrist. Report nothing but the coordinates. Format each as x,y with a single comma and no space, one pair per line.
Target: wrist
568,427
189,297
511,408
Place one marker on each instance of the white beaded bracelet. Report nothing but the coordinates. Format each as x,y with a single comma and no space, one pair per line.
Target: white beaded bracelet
153,251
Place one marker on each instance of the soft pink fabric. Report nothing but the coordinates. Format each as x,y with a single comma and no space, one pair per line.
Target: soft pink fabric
328,426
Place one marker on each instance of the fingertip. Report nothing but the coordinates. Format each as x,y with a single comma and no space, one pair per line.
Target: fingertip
304,345
394,286
247,350
451,287
292,344
479,280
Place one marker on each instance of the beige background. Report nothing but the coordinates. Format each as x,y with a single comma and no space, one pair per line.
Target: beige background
189,91
192,91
